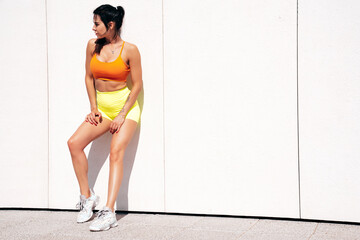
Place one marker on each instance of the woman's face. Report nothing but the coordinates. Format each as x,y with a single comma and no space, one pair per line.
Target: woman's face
99,27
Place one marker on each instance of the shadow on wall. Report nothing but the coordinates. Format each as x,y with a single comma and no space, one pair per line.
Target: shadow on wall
99,152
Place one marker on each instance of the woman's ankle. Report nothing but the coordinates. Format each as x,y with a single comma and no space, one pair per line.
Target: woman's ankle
112,208
87,193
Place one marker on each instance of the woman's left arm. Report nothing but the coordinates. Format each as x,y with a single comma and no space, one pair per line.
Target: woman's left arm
137,84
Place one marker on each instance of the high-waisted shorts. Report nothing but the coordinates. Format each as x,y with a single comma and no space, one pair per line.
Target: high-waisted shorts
110,104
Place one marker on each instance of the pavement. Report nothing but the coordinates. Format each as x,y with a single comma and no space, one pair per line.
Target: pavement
50,224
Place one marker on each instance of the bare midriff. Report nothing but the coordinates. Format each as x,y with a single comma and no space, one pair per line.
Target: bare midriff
108,86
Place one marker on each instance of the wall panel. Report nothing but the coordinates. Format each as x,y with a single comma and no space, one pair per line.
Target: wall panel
69,104
230,107
23,99
329,101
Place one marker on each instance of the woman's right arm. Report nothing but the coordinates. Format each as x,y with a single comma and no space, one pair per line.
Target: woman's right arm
90,87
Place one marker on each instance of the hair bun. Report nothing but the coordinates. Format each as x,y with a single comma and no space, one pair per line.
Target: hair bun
121,10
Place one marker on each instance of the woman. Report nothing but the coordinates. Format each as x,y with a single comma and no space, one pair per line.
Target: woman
114,108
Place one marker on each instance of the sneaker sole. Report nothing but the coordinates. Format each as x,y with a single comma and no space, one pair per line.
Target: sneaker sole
86,219
115,224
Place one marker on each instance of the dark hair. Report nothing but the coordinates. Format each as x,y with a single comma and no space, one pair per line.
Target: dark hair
108,13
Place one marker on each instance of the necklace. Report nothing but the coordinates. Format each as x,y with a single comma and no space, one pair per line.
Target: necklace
112,51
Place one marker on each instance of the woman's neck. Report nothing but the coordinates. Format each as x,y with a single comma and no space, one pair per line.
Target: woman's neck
113,41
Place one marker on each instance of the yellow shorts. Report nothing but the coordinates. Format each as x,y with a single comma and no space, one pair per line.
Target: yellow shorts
111,103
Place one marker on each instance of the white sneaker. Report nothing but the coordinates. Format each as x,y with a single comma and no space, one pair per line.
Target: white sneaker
105,220
86,206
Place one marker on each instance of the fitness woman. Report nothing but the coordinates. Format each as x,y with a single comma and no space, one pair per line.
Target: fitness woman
114,108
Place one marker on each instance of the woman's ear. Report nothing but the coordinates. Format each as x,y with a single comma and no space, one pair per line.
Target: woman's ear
111,24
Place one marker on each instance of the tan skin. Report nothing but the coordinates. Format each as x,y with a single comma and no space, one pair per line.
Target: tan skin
94,124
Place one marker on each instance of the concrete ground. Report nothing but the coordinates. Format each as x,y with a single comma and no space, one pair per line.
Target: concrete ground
46,224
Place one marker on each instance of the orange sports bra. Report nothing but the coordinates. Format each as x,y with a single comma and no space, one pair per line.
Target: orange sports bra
112,71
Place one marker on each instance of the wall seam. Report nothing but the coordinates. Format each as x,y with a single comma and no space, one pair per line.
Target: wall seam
297,96
48,108
163,76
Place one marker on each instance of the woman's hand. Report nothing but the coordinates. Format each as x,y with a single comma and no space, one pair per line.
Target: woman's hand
117,123
92,117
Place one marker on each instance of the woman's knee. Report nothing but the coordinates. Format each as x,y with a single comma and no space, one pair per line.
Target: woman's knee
74,145
116,152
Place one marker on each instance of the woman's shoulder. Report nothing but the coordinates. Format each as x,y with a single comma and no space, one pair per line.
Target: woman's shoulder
92,41
91,44
130,47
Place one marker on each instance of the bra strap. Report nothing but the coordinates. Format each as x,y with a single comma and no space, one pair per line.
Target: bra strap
122,47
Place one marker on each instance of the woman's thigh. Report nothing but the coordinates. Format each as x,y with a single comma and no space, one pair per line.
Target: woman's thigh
121,139
88,132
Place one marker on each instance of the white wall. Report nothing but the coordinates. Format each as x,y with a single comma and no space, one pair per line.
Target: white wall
24,105
329,88
219,129
230,107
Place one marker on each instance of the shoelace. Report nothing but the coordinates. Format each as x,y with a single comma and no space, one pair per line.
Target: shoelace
80,205
102,213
